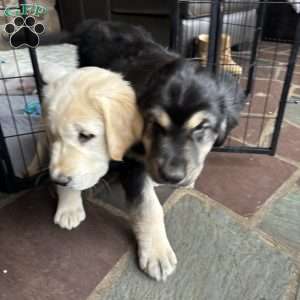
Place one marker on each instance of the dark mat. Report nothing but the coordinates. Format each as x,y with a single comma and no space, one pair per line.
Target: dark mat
38,260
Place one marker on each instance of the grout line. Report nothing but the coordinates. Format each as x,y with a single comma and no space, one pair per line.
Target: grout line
15,196
257,115
292,253
123,214
205,199
110,208
288,160
280,192
108,280
174,198
292,123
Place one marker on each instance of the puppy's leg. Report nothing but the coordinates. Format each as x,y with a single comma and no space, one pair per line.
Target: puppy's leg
70,212
156,256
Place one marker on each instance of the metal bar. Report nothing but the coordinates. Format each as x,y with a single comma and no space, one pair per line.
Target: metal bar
244,149
36,72
16,77
81,10
25,134
257,35
174,24
7,178
34,61
286,87
215,32
109,10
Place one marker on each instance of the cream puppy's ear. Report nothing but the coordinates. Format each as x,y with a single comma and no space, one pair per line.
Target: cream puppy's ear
123,123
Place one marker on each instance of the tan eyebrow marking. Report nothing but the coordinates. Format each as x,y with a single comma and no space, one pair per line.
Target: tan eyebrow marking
162,118
195,120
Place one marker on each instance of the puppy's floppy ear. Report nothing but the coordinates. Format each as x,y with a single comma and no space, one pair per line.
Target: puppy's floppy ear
123,123
232,100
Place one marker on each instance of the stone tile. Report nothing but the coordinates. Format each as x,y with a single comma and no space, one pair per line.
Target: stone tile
294,98
297,67
3,196
265,86
218,259
296,91
296,77
289,142
164,192
292,113
115,196
261,103
44,261
298,294
274,56
269,46
265,95
242,182
267,72
282,220
250,130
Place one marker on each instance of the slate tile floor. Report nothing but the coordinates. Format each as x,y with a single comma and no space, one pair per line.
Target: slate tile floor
245,210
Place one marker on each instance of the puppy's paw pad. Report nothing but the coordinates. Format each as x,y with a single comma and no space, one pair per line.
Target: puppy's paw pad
158,262
69,219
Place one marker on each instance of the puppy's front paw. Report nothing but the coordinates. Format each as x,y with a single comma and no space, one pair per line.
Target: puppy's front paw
157,258
69,218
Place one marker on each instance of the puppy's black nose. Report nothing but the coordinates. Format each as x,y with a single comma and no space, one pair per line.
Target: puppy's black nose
62,180
173,171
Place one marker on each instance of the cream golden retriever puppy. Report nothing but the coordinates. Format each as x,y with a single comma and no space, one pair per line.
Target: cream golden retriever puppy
91,118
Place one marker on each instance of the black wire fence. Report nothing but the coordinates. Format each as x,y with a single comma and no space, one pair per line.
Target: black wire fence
20,94
239,37
226,36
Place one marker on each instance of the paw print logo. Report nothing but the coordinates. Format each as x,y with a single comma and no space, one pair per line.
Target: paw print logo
24,32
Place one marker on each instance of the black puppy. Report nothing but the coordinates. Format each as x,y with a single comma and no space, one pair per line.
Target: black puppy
186,111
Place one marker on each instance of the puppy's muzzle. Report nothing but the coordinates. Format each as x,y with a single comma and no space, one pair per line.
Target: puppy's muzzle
172,170
61,179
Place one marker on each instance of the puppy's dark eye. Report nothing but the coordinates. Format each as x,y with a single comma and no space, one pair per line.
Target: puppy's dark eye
199,131
202,126
85,137
198,134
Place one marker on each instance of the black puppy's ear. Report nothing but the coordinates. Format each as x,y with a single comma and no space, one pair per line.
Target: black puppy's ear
232,100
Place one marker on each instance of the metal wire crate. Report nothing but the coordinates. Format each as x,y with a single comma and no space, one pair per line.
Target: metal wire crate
266,63
267,66
19,132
